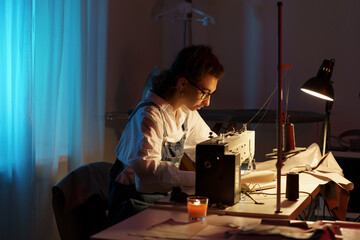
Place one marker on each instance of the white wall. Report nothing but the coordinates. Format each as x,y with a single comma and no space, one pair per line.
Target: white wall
245,39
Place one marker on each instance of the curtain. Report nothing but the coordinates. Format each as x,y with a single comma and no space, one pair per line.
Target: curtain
17,162
52,103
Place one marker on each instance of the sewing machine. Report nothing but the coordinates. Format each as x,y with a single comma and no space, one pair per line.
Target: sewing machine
219,162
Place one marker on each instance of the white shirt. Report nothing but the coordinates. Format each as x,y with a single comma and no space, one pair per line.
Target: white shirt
141,143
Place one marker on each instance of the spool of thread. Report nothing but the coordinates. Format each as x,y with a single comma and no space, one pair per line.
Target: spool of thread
288,137
292,186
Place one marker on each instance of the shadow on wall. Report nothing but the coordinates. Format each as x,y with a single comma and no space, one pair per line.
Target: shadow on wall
114,127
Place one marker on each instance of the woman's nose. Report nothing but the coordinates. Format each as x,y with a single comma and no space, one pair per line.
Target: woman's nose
207,101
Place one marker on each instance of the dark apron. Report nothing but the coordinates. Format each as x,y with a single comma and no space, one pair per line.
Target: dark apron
124,200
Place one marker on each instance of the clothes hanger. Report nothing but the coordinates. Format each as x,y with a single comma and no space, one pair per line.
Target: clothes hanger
185,8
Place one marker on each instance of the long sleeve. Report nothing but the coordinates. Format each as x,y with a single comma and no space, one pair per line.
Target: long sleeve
198,132
140,150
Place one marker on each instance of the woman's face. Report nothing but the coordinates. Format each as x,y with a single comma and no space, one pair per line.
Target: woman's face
197,95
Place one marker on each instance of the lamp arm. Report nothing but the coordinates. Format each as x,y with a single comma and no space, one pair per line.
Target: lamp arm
326,143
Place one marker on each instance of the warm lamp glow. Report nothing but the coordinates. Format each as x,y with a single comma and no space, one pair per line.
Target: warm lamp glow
320,86
318,95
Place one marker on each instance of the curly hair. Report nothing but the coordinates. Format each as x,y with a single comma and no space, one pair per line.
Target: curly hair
194,63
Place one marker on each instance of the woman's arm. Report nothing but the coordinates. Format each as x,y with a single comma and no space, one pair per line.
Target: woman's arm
140,148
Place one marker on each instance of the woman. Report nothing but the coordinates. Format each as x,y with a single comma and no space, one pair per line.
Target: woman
160,127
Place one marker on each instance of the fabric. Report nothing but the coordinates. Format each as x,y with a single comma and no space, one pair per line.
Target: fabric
261,231
52,103
337,199
311,162
326,169
140,147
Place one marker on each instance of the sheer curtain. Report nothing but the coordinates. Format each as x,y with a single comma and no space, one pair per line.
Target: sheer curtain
52,103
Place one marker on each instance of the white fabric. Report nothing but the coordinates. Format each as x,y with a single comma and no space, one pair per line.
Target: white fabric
325,168
141,143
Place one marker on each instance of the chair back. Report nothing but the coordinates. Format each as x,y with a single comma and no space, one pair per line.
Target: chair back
80,201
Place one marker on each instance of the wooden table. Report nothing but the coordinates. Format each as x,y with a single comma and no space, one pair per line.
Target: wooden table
218,222
243,213
214,227
309,187
149,217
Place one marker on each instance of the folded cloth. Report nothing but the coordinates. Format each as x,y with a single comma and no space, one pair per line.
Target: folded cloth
258,177
326,169
310,161
258,180
288,232
311,156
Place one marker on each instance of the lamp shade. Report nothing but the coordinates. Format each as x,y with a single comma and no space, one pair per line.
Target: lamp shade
321,86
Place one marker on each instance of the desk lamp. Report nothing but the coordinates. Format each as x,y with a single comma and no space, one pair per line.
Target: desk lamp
320,86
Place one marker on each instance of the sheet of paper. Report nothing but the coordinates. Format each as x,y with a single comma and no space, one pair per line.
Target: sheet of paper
171,229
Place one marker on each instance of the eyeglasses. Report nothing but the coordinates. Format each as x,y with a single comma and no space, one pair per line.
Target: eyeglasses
205,94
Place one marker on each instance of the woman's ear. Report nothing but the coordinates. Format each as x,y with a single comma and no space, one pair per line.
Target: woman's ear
182,82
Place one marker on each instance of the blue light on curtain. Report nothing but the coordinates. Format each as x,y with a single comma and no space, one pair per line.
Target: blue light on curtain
17,162
52,103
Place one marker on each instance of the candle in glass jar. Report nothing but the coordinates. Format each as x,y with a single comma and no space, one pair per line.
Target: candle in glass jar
197,207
